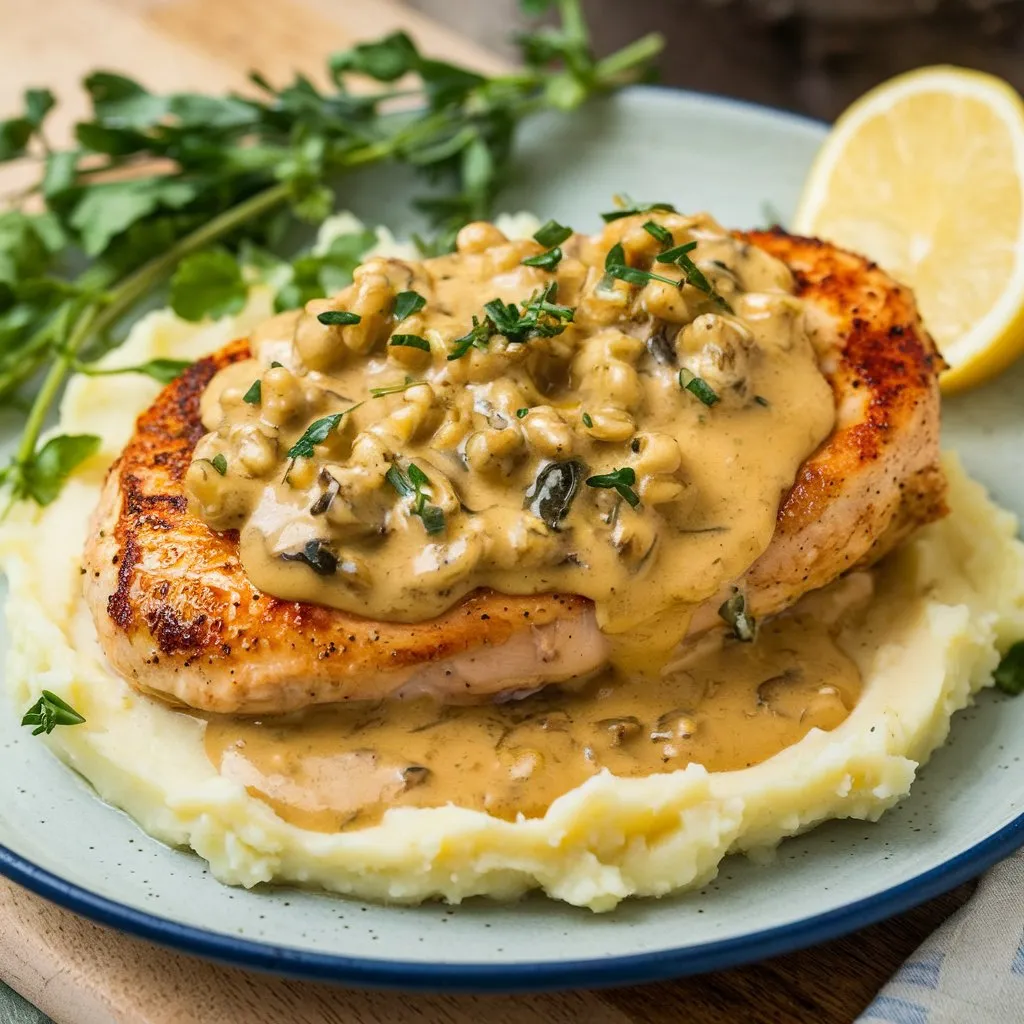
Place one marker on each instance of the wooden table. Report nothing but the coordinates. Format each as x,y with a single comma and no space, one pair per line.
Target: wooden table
80,973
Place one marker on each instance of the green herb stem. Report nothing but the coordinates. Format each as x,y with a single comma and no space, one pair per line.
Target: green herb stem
96,319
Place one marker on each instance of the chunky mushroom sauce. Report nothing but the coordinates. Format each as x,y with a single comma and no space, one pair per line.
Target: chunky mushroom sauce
613,416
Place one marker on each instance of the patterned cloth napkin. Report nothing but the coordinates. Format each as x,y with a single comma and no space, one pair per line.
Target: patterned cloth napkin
971,971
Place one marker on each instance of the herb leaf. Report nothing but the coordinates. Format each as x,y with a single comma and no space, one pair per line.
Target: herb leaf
628,208
407,303
545,260
655,230
316,433
50,711
1009,676
219,463
208,284
619,480
697,386
615,266
692,274
551,234
734,612
43,474
255,393
394,389
411,483
162,370
338,318
410,341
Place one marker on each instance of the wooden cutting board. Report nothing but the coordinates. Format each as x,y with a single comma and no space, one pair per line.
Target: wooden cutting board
80,973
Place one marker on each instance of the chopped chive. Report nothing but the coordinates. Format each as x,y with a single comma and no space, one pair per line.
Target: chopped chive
663,235
520,413
615,266
409,341
255,393
628,208
551,234
407,303
219,463
545,260
697,386
587,421
761,400
394,389
338,318
693,275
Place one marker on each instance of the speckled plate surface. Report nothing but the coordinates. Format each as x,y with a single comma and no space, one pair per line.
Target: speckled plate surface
965,812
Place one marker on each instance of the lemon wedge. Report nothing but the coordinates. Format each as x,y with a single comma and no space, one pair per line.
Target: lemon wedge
925,175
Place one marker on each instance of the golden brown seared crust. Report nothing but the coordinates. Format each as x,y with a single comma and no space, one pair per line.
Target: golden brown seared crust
182,619
877,477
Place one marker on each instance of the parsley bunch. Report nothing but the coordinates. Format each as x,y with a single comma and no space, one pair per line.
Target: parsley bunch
182,190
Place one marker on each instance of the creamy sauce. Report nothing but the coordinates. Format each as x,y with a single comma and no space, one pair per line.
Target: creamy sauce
731,706
506,433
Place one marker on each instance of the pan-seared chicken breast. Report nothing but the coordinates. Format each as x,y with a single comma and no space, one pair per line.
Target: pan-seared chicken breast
178,617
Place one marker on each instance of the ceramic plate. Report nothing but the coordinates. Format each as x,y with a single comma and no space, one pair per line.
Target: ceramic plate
965,812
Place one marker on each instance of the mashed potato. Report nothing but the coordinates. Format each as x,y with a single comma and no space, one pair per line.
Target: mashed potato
945,608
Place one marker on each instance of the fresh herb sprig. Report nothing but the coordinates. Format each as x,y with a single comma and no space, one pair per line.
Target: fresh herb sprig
50,711
184,189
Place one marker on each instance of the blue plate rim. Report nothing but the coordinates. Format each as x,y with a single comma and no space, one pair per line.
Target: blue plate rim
529,976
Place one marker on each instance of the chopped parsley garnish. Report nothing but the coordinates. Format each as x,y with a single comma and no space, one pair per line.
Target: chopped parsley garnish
411,483
314,554
734,612
541,317
692,274
551,234
394,389
219,463
697,386
521,413
1009,676
619,480
50,711
587,421
410,341
407,303
338,318
476,337
663,235
762,401
255,393
545,260
629,208
615,265
316,433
